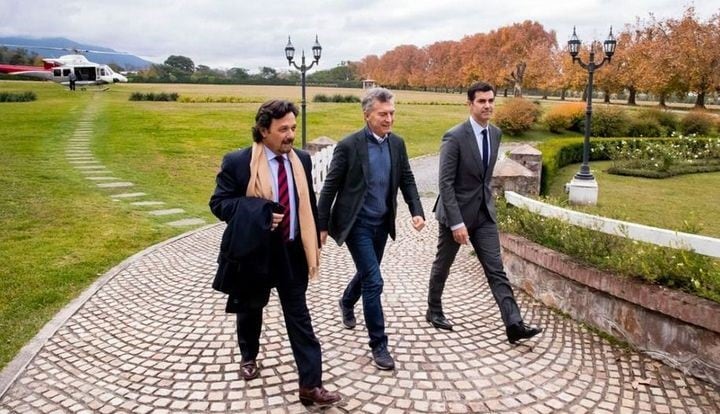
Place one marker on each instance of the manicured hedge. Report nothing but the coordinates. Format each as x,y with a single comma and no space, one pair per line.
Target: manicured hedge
160,96
17,96
559,152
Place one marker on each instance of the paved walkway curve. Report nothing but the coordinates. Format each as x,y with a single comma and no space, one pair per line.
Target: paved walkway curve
152,336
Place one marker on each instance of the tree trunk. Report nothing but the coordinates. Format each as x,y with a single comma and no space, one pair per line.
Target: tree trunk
505,92
606,98
700,101
585,93
662,103
562,94
632,96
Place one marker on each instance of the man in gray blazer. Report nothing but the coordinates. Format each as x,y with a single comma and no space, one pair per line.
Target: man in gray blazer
358,204
465,210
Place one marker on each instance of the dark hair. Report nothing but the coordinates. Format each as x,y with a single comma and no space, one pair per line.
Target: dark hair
273,109
479,87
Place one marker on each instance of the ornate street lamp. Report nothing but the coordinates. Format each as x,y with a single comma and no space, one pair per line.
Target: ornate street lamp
289,54
583,188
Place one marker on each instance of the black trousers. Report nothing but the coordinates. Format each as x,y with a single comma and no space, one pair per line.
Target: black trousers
288,274
486,242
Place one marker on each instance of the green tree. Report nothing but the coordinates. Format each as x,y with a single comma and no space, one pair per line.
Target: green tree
181,63
238,74
268,73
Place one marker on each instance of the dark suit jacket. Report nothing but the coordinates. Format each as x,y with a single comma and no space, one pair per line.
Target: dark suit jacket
464,184
245,244
345,185
228,198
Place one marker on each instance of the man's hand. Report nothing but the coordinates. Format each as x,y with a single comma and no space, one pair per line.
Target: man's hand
418,222
323,238
461,235
276,219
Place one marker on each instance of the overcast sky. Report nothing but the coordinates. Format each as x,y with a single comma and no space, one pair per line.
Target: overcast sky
253,33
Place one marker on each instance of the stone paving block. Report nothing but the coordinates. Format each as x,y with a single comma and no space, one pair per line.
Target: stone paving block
116,184
186,222
155,338
166,212
147,203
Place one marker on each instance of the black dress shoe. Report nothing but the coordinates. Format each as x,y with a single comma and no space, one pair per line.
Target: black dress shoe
249,369
437,319
348,316
520,331
319,396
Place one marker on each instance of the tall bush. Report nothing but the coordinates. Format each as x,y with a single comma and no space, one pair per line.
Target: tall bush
645,127
609,121
697,123
565,116
666,119
516,116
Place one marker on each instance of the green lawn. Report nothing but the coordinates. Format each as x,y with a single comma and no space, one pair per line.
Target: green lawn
686,203
60,232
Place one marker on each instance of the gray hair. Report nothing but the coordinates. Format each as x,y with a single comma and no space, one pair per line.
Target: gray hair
376,94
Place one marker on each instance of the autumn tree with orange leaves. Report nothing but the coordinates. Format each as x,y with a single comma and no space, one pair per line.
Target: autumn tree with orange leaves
663,58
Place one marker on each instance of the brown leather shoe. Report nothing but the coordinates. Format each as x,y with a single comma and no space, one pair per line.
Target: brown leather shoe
319,396
249,370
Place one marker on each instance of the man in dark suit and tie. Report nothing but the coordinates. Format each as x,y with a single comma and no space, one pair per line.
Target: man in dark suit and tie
358,204
465,210
265,194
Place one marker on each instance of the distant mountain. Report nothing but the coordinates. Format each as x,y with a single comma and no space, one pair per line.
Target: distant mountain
39,46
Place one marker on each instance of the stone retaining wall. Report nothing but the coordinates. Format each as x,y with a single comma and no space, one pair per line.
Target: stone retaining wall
677,328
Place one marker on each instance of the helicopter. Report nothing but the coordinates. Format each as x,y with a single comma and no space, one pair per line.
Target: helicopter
58,69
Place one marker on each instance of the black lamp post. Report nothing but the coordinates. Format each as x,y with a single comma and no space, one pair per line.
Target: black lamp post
591,66
289,54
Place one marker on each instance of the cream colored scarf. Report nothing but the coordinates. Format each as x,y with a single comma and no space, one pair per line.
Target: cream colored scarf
260,185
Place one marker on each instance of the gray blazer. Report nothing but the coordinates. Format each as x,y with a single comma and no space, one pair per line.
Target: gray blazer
464,185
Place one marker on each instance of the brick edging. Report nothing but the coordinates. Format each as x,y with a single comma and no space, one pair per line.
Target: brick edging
680,305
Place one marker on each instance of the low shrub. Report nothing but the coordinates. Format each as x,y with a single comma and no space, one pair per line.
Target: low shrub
151,96
666,119
697,123
568,116
559,152
321,97
645,127
220,99
336,98
516,116
609,121
17,96
678,269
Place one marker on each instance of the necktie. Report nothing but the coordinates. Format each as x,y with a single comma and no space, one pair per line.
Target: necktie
283,197
485,149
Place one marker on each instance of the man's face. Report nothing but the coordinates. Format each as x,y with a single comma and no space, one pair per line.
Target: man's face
380,117
481,108
281,134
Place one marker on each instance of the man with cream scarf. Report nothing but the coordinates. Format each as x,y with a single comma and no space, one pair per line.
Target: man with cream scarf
268,188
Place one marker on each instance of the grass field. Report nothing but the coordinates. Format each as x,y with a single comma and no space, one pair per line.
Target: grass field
687,203
60,232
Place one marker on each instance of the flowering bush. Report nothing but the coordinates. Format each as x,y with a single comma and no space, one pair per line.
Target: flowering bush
661,155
